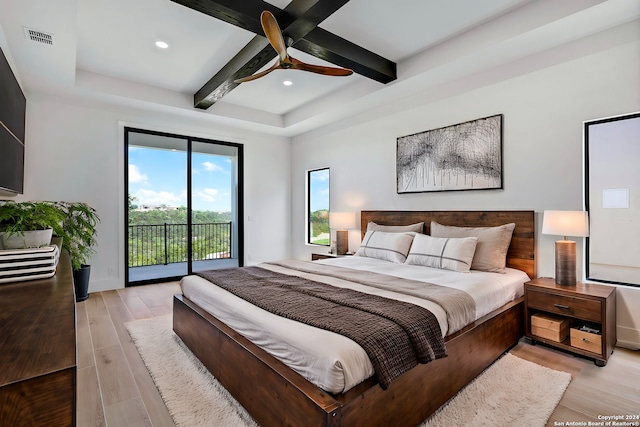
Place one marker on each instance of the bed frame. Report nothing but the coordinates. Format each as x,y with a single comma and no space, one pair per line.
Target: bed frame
275,395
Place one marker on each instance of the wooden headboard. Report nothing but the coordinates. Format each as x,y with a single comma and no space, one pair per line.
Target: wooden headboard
522,250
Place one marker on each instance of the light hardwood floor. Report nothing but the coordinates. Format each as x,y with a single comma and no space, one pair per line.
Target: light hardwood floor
115,389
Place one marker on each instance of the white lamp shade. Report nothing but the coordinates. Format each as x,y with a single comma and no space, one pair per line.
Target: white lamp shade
566,223
342,220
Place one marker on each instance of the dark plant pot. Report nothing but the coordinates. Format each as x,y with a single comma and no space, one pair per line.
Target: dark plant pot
81,282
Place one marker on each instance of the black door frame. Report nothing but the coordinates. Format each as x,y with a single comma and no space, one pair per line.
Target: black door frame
239,208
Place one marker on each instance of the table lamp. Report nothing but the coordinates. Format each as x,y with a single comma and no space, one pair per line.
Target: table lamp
341,222
565,223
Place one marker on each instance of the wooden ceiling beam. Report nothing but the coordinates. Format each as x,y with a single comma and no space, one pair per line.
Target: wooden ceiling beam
325,45
256,54
241,13
299,21
299,17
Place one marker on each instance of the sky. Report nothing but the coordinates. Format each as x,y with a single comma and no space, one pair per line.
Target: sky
159,177
319,190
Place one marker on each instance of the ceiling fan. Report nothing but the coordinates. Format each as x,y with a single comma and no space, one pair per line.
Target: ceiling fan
286,62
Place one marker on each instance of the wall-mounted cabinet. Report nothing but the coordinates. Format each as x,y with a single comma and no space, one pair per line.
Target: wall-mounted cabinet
12,130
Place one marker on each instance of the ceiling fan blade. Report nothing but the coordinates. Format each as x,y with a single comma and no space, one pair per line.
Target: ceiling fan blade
319,69
285,62
258,75
273,33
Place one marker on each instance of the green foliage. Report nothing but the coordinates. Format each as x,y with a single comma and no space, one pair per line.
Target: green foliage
131,202
160,236
176,216
79,231
74,222
18,217
319,224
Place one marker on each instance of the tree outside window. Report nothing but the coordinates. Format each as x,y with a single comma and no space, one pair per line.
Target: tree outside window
318,207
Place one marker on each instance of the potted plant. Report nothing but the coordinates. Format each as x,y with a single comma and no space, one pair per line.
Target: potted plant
29,224
79,239
75,223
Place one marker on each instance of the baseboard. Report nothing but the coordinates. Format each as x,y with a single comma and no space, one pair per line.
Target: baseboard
628,345
628,337
100,285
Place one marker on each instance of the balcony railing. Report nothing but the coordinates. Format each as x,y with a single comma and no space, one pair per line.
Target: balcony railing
167,243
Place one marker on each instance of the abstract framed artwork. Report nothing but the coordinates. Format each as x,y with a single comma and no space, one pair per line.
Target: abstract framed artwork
466,156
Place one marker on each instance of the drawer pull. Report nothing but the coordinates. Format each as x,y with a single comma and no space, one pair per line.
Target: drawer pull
566,307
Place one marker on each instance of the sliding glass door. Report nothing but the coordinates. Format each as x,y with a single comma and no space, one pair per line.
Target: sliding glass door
184,205
214,197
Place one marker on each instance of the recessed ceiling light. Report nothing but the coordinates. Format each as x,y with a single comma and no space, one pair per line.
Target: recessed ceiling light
162,45
287,82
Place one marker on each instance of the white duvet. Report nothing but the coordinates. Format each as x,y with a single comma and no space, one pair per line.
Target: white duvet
329,360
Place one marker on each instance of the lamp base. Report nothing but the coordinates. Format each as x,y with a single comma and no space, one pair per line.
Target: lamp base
566,262
342,242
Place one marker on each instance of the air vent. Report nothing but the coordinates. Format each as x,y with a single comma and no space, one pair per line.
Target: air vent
38,36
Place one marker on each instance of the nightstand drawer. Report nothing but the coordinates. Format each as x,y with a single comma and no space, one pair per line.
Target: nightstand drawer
586,341
582,308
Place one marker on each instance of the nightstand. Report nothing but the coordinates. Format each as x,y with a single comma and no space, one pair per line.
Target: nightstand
315,257
587,310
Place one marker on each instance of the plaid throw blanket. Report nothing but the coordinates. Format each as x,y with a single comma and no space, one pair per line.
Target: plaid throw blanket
395,335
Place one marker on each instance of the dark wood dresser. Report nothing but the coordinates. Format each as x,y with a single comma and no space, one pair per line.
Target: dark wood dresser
38,351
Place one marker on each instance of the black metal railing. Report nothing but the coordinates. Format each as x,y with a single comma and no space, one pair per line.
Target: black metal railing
167,243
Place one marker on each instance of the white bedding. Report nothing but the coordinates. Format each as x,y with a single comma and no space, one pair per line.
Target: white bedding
329,360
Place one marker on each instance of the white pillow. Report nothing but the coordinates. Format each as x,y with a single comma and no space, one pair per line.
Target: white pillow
392,247
493,243
442,252
417,227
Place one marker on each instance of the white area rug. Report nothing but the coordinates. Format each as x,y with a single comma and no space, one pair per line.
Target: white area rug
510,392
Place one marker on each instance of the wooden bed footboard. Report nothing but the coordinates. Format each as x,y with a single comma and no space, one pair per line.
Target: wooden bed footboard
270,391
275,395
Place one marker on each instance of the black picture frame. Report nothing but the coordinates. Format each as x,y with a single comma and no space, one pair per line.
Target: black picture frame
465,156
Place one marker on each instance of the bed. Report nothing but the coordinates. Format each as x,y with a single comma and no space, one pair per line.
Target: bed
276,395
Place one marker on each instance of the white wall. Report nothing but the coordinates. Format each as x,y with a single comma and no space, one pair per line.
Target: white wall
544,111
75,152
544,101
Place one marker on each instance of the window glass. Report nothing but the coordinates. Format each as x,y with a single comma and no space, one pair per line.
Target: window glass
612,178
318,207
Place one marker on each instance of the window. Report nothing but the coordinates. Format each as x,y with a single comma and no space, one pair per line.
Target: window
612,181
318,207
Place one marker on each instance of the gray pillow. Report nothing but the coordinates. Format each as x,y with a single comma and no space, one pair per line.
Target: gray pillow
416,228
492,247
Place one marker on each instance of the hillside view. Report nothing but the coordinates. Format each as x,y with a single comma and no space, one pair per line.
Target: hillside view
159,236
319,226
